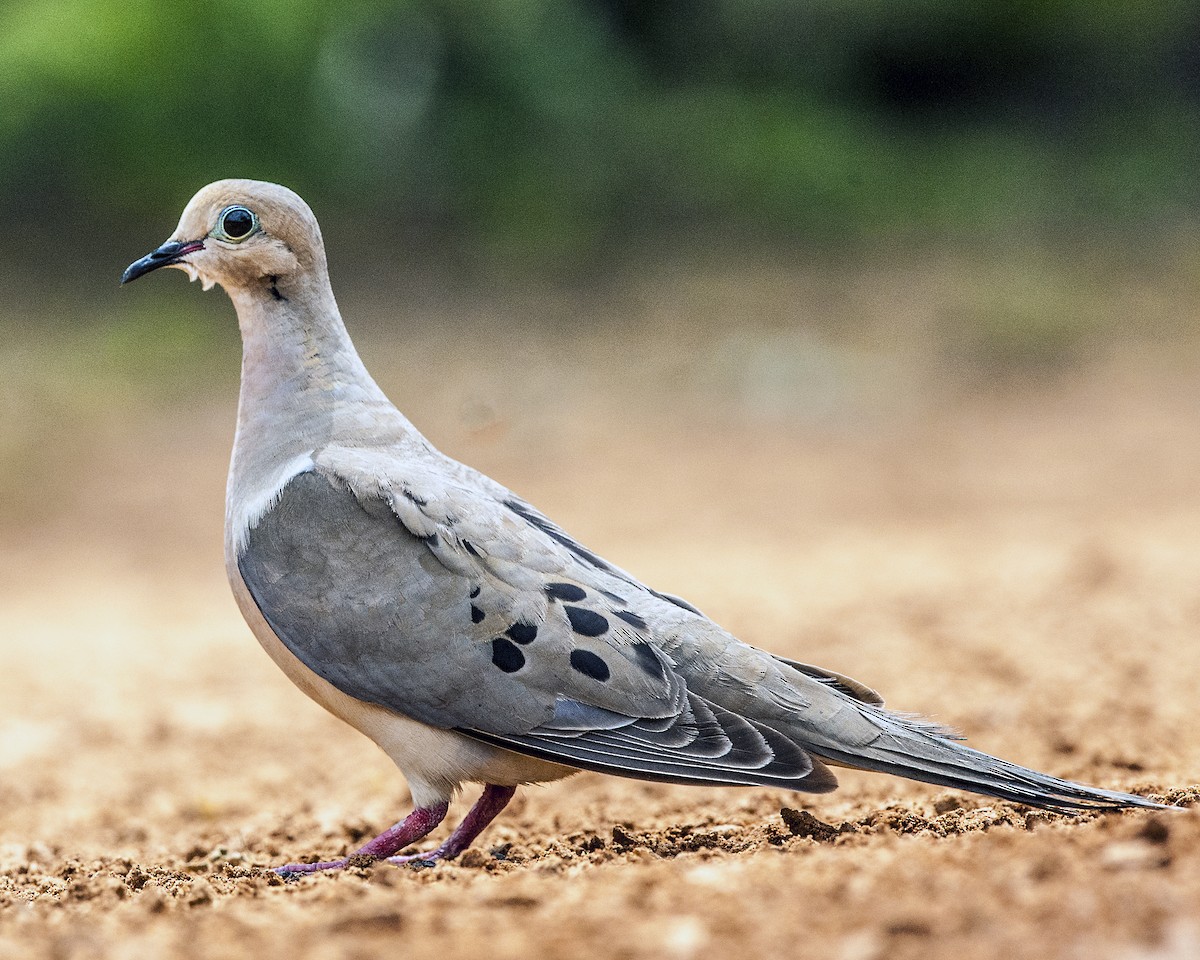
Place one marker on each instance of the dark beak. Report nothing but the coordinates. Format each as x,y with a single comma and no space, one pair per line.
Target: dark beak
170,252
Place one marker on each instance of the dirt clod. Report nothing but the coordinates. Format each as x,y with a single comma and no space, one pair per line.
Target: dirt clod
801,823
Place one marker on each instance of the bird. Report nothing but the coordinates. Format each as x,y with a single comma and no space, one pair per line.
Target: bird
466,633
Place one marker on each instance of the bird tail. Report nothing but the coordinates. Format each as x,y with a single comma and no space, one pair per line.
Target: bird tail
909,747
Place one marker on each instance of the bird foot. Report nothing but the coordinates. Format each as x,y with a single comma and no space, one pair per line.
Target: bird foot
290,871
293,871
419,861
411,830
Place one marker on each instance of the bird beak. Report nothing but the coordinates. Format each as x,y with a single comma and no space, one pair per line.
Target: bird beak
171,252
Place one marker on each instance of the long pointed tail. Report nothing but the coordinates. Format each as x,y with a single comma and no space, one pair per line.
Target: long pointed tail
919,751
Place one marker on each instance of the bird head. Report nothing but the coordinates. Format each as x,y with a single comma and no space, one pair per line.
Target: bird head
246,235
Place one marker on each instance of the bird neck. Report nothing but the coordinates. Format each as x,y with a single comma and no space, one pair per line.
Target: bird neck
303,387
296,353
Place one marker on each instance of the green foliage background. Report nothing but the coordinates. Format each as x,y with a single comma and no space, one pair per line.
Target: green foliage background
568,128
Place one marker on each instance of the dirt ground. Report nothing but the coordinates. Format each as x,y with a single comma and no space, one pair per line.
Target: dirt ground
1017,559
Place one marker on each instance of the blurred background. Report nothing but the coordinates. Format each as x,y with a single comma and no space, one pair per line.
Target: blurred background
554,224
838,223
1039,156
838,214
557,143
891,195
550,133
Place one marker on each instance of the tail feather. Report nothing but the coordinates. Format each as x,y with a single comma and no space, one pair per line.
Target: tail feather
911,750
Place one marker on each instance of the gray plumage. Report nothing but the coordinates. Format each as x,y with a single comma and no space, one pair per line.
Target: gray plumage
464,631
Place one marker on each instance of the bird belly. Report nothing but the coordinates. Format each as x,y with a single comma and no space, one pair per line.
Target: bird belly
434,761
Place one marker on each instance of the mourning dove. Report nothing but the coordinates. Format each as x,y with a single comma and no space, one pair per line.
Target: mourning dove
455,625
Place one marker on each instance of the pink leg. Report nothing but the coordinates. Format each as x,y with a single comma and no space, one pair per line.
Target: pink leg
409,830
493,800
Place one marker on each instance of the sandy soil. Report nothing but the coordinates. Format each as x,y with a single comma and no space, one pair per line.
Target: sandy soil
1019,563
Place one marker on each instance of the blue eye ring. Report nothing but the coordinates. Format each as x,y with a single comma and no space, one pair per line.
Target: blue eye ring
236,223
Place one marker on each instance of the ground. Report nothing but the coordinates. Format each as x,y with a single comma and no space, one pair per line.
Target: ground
1011,553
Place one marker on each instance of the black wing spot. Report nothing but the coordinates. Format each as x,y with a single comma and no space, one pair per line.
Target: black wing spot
409,495
678,601
581,552
527,514
586,622
647,659
507,656
476,614
522,632
589,664
565,591
474,592
632,619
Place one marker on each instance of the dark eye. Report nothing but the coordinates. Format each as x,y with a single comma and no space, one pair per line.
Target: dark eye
236,223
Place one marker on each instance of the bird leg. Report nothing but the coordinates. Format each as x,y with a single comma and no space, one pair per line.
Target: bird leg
408,831
490,803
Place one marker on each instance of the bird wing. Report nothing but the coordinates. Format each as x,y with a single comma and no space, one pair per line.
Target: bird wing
443,597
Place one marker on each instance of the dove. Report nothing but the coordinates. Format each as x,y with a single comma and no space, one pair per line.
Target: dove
467,634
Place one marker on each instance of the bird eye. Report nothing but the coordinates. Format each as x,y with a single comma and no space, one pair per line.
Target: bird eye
235,224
